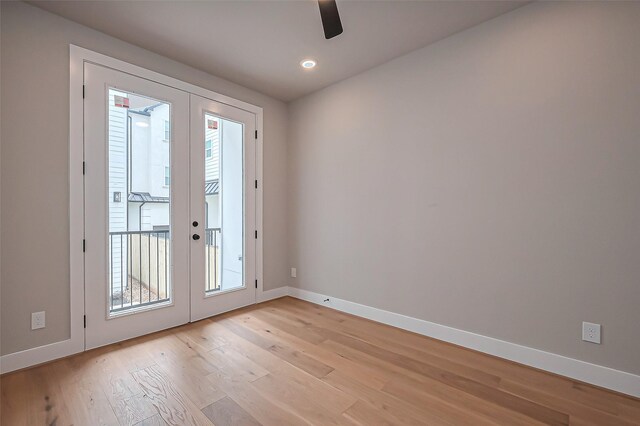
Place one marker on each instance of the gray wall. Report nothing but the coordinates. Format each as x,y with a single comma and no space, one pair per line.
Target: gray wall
489,182
34,168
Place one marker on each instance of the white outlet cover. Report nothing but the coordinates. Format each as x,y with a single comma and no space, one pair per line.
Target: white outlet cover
294,273
591,332
37,320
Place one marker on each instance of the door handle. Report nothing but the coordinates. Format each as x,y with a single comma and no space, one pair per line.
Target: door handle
196,237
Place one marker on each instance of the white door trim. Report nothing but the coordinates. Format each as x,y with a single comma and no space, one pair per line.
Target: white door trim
103,325
77,58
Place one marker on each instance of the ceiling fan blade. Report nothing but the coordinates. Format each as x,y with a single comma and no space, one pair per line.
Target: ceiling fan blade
330,18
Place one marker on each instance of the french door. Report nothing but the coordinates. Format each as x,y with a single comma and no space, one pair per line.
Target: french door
168,206
223,244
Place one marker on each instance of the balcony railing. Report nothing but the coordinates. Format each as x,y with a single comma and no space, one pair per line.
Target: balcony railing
139,269
212,259
140,264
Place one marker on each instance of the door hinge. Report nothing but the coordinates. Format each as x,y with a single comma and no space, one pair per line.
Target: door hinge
85,321
84,168
256,134
84,246
256,184
83,91
256,234
256,283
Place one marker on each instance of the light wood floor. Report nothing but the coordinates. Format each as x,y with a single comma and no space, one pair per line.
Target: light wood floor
290,362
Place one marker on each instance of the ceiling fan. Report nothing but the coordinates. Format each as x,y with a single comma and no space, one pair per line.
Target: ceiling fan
330,18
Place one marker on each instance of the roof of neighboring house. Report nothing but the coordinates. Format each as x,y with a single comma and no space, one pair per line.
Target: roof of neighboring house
211,187
145,197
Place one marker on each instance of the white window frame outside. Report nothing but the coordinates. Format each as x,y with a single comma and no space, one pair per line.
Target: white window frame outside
167,176
167,130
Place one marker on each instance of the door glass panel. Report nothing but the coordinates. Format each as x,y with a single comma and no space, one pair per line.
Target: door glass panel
224,209
139,200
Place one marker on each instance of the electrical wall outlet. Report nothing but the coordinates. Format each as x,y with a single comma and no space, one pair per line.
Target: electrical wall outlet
294,273
37,320
591,332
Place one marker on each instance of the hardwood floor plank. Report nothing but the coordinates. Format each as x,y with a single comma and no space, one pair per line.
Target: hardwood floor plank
186,369
204,334
295,375
28,399
171,405
226,412
280,392
238,366
371,376
133,410
263,410
155,420
299,330
14,398
301,360
516,412
421,367
73,396
289,362
427,398
234,376
110,371
285,352
428,387
87,401
232,365
399,340
331,399
391,408
287,382
592,396
341,331
447,403
630,411
577,411
364,414
347,330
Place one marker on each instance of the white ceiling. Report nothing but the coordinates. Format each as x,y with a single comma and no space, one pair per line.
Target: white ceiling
259,44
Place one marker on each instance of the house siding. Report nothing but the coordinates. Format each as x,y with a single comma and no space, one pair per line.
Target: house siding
117,183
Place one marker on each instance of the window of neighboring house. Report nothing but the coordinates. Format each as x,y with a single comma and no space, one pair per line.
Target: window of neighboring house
167,175
167,131
208,150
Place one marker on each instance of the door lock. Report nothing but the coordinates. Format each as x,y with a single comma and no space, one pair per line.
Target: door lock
196,237
195,223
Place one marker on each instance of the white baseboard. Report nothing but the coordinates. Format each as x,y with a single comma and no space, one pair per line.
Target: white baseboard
605,377
272,294
39,355
46,353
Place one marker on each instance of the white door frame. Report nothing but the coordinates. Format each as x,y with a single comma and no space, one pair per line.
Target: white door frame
205,305
109,327
78,56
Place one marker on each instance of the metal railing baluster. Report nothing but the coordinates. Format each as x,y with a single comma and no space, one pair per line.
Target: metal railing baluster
126,300
111,268
121,273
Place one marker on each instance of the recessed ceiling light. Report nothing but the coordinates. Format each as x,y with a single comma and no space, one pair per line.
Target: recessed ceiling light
142,124
308,64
